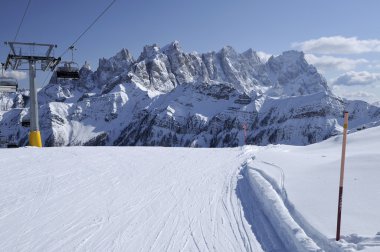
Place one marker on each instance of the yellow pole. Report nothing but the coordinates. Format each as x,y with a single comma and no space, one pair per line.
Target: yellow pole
35,139
34,135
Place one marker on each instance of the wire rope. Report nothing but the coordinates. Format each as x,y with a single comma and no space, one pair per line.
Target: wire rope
82,34
22,20
49,74
89,27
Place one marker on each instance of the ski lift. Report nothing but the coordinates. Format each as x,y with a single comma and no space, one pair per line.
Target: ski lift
68,69
7,84
25,122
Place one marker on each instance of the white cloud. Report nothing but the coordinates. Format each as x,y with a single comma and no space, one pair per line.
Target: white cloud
263,56
364,93
353,93
375,64
353,78
330,63
359,95
338,45
15,74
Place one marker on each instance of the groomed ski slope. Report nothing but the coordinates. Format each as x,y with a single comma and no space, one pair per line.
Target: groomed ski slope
274,198
122,199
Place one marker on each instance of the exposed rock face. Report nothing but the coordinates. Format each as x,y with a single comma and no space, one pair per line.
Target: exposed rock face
171,98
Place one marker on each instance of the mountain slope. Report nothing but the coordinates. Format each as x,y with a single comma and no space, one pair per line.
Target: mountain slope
167,97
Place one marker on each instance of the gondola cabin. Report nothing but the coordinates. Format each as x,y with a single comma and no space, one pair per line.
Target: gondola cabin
8,84
25,122
69,70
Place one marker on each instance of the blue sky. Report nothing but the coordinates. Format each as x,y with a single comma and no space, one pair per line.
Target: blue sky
339,37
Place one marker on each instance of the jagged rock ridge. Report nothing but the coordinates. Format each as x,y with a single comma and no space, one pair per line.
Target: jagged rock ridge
168,97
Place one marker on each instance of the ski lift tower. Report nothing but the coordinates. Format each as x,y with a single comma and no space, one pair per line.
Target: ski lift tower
32,54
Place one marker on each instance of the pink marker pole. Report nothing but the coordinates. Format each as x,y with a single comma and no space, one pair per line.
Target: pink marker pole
345,125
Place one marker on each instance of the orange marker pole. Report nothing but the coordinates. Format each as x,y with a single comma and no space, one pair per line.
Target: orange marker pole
345,125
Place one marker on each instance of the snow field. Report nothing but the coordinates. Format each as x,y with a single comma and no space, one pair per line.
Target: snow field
122,199
290,233
272,198
310,176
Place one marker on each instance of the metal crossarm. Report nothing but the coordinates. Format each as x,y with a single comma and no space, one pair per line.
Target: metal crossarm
16,59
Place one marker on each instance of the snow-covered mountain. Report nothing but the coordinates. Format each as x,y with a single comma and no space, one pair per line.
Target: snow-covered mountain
168,97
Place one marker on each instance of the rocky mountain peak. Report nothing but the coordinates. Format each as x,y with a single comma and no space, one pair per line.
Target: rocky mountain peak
149,52
86,65
162,69
85,71
172,98
124,55
251,55
292,75
287,59
172,47
228,50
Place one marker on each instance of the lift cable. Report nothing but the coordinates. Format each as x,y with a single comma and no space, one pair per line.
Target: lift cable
81,35
89,27
11,81
48,76
22,20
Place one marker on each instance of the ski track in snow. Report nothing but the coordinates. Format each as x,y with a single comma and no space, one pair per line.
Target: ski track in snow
66,199
309,185
151,199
